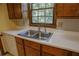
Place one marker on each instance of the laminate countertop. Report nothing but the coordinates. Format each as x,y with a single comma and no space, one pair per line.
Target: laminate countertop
67,40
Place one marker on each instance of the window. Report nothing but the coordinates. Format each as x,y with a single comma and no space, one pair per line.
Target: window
42,14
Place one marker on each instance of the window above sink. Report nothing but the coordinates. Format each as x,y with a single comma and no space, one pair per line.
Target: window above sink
42,14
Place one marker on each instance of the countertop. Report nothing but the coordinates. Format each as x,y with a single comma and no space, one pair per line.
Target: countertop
67,40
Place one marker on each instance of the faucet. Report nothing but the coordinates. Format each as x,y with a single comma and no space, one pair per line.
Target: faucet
39,28
44,27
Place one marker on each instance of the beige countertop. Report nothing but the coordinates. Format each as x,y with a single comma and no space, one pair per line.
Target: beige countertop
62,39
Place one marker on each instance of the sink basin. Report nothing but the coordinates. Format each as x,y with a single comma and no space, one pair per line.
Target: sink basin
43,36
29,33
36,35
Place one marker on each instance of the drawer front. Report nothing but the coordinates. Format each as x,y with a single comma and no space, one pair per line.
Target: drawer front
53,50
19,40
31,52
32,44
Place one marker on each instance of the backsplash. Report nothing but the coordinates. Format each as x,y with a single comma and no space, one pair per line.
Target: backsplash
68,24
63,24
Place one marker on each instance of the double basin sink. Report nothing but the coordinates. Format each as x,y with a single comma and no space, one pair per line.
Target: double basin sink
39,35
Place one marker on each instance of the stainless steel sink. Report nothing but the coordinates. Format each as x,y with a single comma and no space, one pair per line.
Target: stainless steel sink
36,35
43,36
29,33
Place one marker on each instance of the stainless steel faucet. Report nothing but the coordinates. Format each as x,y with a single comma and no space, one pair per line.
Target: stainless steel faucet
45,26
39,29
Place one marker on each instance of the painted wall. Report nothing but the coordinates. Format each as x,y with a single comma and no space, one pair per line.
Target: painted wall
68,24
5,23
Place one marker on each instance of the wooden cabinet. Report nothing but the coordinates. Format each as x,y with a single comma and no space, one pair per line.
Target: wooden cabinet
14,10
31,51
59,9
67,10
10,11
75,54
20,49
46,54
52,51
1,46
31,48
20,46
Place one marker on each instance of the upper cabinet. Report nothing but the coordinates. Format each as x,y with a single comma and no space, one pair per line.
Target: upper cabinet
67,10
14,10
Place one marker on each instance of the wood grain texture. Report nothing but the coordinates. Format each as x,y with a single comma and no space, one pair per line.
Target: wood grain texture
53,50
32,44
31,52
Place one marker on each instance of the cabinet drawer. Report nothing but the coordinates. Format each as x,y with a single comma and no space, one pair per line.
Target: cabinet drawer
53,50
19,40
32,44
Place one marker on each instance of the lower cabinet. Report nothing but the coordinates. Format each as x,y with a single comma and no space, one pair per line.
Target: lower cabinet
20,46
46,54
52,51
31,52
20,49
31,48
75,54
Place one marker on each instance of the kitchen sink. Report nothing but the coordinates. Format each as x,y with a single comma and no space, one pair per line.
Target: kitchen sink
29,33
43,36
36,35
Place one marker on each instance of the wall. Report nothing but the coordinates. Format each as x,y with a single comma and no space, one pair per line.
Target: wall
5,23
68,24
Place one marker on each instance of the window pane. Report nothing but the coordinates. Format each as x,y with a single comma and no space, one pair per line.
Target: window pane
49,12
34,19
35,6
49,5
41,12
41,19
35,13
42,5
49,20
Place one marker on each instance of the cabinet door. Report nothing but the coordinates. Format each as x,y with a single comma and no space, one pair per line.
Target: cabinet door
1,47
67,10
75,54
59,9
70,9
10,11
20,46
53,51
32,44
0,44
14,10
20,49
17,11
77,10
31,51
46,54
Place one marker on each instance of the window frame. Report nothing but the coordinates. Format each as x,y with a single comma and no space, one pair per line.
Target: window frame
53,25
